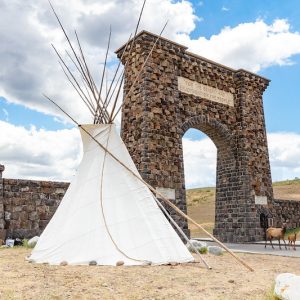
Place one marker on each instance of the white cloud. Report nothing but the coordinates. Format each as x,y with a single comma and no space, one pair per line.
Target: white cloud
39,154
200,159
199,162
225,8
28,64
252,46
284,150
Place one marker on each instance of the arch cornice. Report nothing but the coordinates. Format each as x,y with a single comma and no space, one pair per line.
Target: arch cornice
218,132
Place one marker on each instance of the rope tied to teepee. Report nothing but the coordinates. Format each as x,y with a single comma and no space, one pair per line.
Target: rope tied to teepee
102,208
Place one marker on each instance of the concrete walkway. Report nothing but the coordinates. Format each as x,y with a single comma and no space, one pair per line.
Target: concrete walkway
258,248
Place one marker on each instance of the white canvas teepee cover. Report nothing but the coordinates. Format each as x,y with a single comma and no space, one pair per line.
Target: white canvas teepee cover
107,215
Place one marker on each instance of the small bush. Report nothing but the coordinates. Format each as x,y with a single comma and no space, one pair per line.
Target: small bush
292,230
203,250
270,294
26,245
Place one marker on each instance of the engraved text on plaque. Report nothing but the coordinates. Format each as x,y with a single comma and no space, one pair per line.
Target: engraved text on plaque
204,91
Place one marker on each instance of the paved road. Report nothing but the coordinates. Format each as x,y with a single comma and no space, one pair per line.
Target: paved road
259,248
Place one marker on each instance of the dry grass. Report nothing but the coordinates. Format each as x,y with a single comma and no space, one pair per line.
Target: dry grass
227,280
287,190
201,208
201,203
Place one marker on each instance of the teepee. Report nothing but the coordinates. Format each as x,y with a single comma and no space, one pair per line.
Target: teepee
108,215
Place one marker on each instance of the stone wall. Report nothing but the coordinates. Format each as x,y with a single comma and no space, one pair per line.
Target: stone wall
26,206
286,211
2,222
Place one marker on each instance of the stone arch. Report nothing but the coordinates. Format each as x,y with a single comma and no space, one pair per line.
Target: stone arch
178,90
226,157
226,174
217,131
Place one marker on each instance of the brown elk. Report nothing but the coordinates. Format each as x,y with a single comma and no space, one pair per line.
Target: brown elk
292,240
276,233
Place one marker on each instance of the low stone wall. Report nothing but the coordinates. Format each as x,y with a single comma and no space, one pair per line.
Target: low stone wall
286,211
26,206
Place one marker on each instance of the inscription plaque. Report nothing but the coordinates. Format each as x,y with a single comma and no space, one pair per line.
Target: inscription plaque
204,91
261,200
166,192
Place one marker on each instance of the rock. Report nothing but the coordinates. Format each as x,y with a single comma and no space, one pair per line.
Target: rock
287,286
119,263
197,244
215,250
63,263
9,242
32,242
92,263
18,242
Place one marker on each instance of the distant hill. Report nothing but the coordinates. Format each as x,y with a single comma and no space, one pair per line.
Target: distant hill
201,202
287,190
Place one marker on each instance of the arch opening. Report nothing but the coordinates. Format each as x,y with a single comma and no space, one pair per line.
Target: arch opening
225,206
200,161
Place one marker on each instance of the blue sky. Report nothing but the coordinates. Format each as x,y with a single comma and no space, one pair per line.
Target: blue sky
261,36
282,97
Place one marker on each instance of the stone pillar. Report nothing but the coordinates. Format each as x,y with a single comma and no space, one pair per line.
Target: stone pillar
2,221
256,192
150,131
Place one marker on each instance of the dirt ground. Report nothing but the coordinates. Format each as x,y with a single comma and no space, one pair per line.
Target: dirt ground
287,192
227,279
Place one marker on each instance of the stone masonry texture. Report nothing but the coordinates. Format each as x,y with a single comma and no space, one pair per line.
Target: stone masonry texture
26,206
156,115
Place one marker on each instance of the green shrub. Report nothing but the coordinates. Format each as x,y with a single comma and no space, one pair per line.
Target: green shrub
292,230
270,294
203,250
26,245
